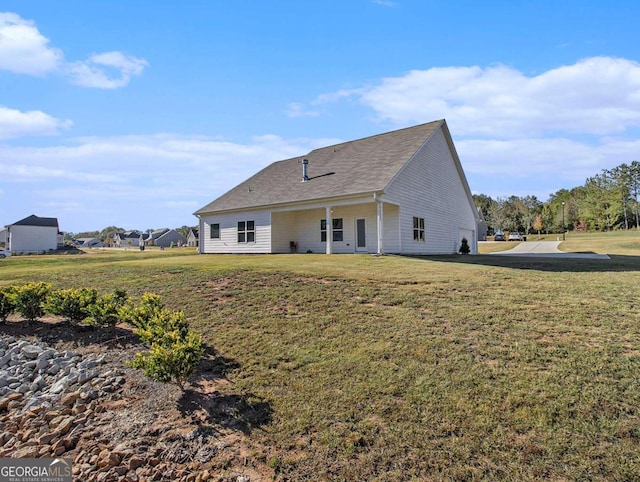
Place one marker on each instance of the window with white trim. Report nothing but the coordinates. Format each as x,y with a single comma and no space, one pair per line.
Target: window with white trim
215,231
246,232
338,232
418,229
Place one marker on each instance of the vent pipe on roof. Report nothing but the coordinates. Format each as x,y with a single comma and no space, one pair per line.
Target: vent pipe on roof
305,165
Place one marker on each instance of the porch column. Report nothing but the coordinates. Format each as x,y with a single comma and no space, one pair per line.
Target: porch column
380,219
329,226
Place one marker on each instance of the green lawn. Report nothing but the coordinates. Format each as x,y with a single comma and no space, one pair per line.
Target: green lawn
401,368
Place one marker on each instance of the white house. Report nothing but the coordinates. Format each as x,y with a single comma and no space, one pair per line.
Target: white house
33,234
399,192
127,239
192,237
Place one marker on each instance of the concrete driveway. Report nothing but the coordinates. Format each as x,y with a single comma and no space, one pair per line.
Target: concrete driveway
546,249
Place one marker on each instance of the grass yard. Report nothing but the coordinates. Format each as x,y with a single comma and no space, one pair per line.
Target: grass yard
400,368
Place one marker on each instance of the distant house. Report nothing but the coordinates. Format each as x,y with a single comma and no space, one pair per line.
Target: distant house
33,234
482,226
88,243
3,237
128,239
398,192
165,238
192,237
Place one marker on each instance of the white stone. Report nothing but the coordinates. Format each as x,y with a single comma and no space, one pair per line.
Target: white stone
31,351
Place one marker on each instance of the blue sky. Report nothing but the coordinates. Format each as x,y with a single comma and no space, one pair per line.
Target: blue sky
136,114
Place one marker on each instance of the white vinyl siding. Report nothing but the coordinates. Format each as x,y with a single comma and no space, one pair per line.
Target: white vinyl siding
305,231
228,227
283,227
32,239
469,234
429,187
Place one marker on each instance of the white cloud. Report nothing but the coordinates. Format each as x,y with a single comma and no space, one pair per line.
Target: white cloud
109,70
386,3
342,94
15,123
24,50
296,110
563,158
539,166
517,132
594,96
122,180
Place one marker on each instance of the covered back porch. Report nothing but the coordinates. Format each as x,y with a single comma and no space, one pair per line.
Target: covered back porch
355,226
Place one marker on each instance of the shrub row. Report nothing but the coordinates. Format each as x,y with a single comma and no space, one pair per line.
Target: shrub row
174,350
83,305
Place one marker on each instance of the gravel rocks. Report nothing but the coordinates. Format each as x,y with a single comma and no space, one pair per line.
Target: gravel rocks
40,374
46,397
63,404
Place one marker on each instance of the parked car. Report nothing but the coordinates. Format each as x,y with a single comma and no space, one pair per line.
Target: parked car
499,236
4,253
515,237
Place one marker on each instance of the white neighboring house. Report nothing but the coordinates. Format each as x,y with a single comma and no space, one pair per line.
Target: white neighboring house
192,237
33,234
128,239
400,192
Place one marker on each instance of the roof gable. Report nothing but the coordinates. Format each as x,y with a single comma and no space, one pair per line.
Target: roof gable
156,234
127,235
34,220
171,233
352,168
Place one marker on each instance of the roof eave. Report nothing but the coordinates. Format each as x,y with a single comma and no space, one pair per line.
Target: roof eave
289,204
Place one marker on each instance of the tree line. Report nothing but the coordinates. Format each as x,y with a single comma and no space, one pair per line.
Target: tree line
605,202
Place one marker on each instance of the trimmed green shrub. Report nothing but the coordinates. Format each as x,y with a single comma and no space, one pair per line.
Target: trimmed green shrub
72,304
164,327
152,320
141,314
175,359
105,311
464,247
174,352
7,305
29,299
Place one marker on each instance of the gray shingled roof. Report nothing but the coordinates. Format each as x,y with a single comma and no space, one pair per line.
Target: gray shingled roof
355,167
34,220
